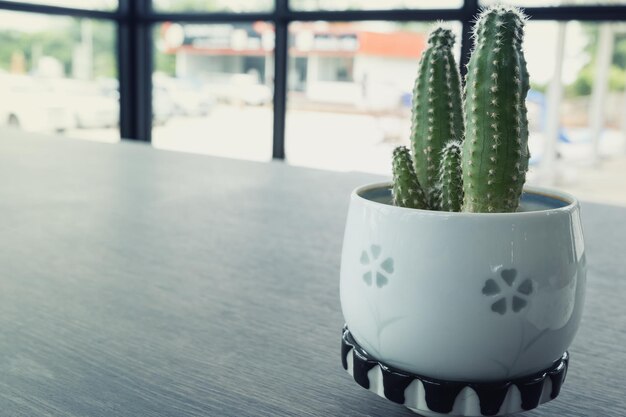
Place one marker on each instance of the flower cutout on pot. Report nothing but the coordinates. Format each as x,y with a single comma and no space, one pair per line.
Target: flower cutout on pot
509,293
378,269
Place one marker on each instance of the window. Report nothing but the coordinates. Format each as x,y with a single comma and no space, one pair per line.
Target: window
571,69
314,82
59,75
80,4
234,6
373,4
552,3
350,91
214,78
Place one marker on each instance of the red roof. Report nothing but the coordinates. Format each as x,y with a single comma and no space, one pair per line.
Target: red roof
393,44
400,44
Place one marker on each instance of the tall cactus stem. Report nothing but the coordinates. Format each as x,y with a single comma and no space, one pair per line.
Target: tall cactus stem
495,149
451,177
407,191
437,108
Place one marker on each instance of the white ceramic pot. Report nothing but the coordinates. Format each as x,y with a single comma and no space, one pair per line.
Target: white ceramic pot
463,296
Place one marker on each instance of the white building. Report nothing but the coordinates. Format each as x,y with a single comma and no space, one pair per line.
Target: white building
329,62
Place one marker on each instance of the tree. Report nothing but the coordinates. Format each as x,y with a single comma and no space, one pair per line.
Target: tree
583,85
59,42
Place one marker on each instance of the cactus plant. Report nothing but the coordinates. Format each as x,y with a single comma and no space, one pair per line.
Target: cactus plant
492,124
495,150
451,178
437,108
407,191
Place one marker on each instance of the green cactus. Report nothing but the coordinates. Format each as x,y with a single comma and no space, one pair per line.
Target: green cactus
493,122
451,177
407,191
437,109
495,149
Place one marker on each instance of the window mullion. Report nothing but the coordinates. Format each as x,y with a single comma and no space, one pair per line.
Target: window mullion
281,25
135,71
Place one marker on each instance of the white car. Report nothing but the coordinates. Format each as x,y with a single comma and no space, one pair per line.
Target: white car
162,106
29,103
187,98
89,106
243,89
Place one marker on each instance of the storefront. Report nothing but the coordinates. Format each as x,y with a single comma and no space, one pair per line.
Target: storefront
329,63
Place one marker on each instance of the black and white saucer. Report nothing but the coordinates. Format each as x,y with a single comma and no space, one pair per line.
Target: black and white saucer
431,397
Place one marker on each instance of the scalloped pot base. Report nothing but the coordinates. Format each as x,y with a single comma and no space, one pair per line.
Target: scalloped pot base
432,397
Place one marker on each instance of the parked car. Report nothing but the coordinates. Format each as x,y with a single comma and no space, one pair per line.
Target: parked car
31,104
162,106
89,107
188,98
242,89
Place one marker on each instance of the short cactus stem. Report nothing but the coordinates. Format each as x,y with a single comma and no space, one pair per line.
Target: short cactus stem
495,149
451,178
437,108
407,191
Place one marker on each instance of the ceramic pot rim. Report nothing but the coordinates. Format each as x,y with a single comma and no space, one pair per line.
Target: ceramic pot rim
571,203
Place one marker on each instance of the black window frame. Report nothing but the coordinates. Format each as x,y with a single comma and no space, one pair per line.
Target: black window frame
134,20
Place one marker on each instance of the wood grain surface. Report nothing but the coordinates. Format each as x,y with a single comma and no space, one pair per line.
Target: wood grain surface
138,282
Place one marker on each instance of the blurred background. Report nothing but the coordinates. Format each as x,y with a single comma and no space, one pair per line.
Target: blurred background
321,83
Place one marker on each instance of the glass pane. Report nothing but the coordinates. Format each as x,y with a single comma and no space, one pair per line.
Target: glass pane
235,6
373,4
551,3
59,74
589,95
350,92
78,4
213,89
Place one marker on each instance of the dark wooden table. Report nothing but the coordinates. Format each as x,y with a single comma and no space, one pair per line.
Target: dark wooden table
137,282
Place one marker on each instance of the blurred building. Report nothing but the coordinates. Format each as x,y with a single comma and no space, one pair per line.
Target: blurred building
330,63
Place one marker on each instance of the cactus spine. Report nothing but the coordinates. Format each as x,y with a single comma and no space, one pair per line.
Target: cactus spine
437,109
495,149
407,191
451,177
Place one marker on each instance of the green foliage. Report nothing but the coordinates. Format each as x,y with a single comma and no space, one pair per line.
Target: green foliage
59,43
619,51
543,88
165,63
104,47
583,85
12,42
617,79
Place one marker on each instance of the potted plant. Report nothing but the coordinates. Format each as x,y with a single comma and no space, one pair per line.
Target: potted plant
461,290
